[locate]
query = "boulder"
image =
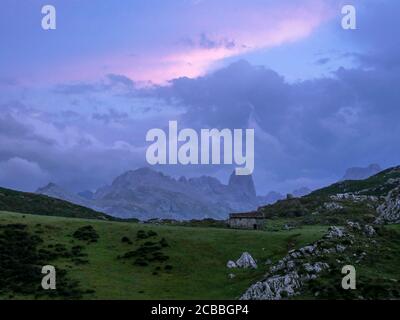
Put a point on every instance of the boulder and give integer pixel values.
(231, 264)
(369, 231)
(274, 288)
(389, 210)
(354, 225)
(317, 267)
(332, 206)
(340, 248)
(246, 261)
(335, 232)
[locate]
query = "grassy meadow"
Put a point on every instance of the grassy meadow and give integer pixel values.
(193, 264)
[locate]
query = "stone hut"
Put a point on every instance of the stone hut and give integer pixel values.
(249, 220)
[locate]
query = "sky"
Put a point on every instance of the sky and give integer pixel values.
(76, 102)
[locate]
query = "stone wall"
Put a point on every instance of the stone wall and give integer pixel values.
(246, 223)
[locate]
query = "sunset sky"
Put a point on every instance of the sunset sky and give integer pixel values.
(76, 102)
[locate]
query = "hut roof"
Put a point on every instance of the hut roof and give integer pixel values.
(247, 215)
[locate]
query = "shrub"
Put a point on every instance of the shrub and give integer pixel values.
(86, 233)
(126, 240)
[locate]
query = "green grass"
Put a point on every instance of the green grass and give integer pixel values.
(31, 203)
(377, 274)
(198, 257)
(376, 185)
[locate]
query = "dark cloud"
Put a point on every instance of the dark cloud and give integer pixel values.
(22, 174)
(111, 83)
(307, 132)
(323, 61)
(111, 116)
(117, 79)
(75, 88)
(205, 41)
(316, 126)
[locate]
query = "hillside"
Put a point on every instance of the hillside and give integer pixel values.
(335, 204)
(299, 254)
(190, 264)
(377, 185)
(363, 218)
(30, 203)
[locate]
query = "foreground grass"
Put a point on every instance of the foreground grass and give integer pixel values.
(198, 257)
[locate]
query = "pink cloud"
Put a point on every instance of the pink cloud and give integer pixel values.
(251, 28)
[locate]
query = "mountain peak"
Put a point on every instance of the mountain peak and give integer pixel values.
(49, 186)
(242, 184)
(360, 173)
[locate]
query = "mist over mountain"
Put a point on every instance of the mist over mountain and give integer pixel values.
(361, 173)
(145, 194)
(55, 191)
(301, 192)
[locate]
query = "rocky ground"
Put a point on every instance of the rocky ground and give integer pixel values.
(300, 272)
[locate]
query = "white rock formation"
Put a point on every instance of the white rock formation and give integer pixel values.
(389, 210)
(246, 261)
(335, 232)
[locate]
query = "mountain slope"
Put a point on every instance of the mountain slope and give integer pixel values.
(30, 203)
(196, 257)
(352, 199)
(359, 173)
(145, 194)
(379, 185)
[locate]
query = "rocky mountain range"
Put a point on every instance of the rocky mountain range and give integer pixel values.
(360, 173)
(145, 194)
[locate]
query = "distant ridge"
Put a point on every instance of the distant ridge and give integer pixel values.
(147, 194)
(361, 173)
(31, 203)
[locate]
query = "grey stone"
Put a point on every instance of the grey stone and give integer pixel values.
(274, 288)
(335, 232)
(369, 231)
(246, 261)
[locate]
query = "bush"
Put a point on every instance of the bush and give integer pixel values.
(141, 234)
(126, 240)
(86, 233)
(164, 243)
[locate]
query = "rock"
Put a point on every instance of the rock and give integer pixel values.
(274, 288)
(278, 267)
(335, 232)
(231, 264)
(288, 275)
(393, 181)
(340, 248)
(369, 231)
(354, 225)
(290, 265)
(246, 261)
(231, 276)
(389, 210)
(332, 206)
(308, 250)
(295, 254)
(353, 197)
(316, 267)
(328, 251)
